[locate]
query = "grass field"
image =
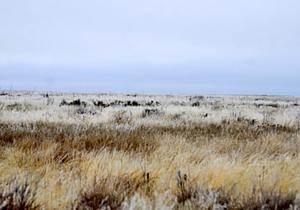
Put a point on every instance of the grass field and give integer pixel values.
(109, 151)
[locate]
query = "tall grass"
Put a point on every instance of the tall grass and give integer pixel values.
(200, 165)
(128, 163)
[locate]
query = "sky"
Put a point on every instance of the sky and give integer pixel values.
(157, 46)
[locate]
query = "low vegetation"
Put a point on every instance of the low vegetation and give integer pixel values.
(152, 154)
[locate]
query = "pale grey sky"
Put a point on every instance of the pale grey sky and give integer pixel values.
(157, 46)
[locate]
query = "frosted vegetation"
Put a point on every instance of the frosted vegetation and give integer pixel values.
(108, 151)
(32, 107)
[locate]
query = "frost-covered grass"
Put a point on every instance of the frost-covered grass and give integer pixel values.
(185, 152)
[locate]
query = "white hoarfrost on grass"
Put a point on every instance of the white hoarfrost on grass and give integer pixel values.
(32, 107)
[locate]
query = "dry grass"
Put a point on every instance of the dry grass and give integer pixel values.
(237, 163)
(20, 197)
(113, 165)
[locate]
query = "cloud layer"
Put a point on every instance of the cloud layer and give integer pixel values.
(194, 46)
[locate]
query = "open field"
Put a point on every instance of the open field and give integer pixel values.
(109, 151)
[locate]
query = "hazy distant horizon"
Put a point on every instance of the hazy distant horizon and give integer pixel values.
(159, 46)
(110, 81)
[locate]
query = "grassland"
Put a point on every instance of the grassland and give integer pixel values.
(107, 151)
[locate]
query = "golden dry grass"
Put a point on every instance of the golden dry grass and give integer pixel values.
(181, 153)
(235, 164)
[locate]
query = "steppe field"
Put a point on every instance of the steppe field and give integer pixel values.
(113, 151)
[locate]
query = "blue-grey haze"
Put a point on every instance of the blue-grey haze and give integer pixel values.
(157, 46)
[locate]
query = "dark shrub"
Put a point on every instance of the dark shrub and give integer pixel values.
(73, 103)
(116, 103)
(100, 104)
(3, 94)
(196, 104)
(152, 103)
(15, 107)
(108, 193)
(20, 197)
(197, 98)
(131, 103)
(150, 112)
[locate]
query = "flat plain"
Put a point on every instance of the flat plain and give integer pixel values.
(117, 151)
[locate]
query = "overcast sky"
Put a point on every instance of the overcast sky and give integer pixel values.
(151, 46)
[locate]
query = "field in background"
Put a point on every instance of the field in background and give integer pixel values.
(108, 151)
